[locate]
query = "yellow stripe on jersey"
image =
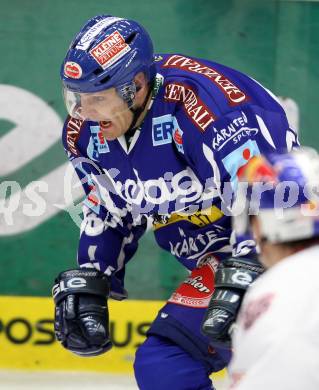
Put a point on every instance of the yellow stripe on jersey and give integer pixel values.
(200, 218)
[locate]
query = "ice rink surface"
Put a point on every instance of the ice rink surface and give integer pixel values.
(64, 381)
(18, 380)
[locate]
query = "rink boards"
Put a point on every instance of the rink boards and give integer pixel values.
(27, 338)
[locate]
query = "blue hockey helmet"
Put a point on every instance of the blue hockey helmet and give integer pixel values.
(282, 191)
(108, 52)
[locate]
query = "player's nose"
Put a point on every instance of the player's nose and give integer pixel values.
(89, 112)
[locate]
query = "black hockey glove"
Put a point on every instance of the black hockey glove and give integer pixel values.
(232, 279)
(81, 315)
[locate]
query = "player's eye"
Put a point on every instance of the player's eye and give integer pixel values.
(98, 98)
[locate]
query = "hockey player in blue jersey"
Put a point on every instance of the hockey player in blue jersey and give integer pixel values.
(160, 137)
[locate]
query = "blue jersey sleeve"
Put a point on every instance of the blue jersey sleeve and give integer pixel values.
(218, 144)
(109, 235)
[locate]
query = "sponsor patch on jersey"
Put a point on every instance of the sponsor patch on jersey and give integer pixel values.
(233, 94)
(93, 200)
(110, 50)
(92, 197)
(259, 169)
(197, 289)
(254, 309)
(73, 130)
(234, 131)
(194, 247)
(178, 136)
(72, 70)
(98, 144)
(208, 258)
(235, 161)
(162, 129)
(195, 108)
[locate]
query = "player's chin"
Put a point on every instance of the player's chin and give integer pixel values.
(109, 137)
(111, 133)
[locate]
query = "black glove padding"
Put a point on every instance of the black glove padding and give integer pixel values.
(232, 279)
(81, 315)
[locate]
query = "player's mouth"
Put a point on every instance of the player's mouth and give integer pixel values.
(105, 125)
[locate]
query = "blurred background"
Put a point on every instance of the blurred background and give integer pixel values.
(275, 42)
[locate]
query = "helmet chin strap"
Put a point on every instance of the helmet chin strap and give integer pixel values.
(137, 112)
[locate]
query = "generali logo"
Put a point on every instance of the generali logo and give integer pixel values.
(74, 127)
(110, 50)
(195, 108)
(233, 94)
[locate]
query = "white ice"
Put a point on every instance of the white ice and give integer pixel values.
(23, 380)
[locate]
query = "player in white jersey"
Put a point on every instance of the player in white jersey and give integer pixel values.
(276, 343)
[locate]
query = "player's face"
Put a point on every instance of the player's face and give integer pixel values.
(107, 107)
(266, 249)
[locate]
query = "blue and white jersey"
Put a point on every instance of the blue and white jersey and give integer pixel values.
(204, 122)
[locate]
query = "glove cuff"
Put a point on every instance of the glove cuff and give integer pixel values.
(237, 273)
(80, 281)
